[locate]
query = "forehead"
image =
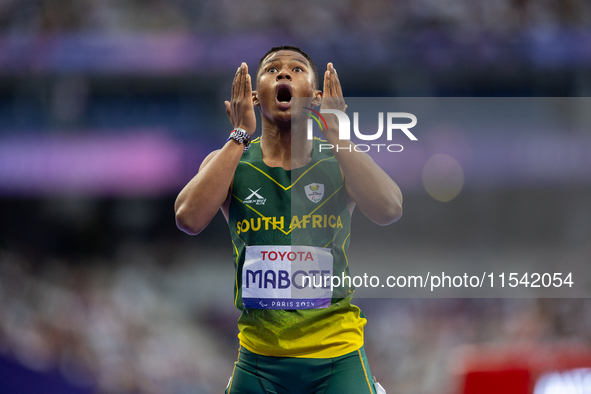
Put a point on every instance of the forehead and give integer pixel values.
(285, 56)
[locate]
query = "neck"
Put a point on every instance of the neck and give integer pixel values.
(284, 146)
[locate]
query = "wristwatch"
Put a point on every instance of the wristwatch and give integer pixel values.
(241, 136)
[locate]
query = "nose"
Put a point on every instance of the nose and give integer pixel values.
(284, 74)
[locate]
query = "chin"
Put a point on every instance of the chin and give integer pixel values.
(283, 117)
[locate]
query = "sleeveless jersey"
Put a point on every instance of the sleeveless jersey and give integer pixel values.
(284, 216)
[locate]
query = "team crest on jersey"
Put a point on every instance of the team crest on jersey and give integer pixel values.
(255, 198)
(315, 192)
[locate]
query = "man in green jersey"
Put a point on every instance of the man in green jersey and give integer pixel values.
(289, 205)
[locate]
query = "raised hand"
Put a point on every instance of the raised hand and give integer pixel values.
(332, 98)
(240, 108)
(332, 90)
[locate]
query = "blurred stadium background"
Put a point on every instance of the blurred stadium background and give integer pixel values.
(108, 107)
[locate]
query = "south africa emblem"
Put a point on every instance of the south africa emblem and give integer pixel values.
(314, 191)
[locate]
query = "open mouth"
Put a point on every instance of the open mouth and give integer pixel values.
(284, 94)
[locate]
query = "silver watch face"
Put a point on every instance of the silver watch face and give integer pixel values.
(241, 136)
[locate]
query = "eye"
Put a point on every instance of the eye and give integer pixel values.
(298, 69)
(271, 70)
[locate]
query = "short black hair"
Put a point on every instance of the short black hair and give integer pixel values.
(295, 49)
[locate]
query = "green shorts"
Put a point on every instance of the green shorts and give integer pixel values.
(254, 374)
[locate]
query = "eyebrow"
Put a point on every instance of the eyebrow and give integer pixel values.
(295, 58)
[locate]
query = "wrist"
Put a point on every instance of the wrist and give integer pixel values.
(241, 136)
(245, 129)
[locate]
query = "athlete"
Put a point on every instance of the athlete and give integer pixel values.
(288, 205)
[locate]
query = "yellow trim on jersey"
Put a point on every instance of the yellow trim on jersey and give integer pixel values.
(346, 258)
(364, 371)
(329, 197)
(236, 280)
(333, 238)
(284, 232)
(305, 172)
(344, 252)
(234, 370)
(238, 236)
(294, 182)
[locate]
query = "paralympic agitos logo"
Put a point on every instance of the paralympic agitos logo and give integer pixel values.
(345, 129)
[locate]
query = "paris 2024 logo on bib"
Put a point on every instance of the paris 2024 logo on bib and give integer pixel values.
(315, 192)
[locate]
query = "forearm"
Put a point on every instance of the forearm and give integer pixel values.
(201, 198)
(374, 192)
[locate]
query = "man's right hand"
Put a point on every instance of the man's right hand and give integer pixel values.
(240, 108)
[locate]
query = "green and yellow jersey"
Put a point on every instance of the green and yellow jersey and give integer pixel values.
(290, 233)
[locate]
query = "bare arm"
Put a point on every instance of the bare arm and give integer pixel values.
(376, 194)
(209, 190)
(201, 198)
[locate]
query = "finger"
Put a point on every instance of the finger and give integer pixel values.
(339, 89)
(248, 87)
(241, 83)
(329, 70)
(333, 80)
(235, 84)
(333, 86)
(326, 88)
(247, 84)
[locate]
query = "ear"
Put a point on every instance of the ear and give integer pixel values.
(255, 98)
(317, 100)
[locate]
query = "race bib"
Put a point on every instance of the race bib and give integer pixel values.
(286, 277)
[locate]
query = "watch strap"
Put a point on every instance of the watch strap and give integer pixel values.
(241, 136)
